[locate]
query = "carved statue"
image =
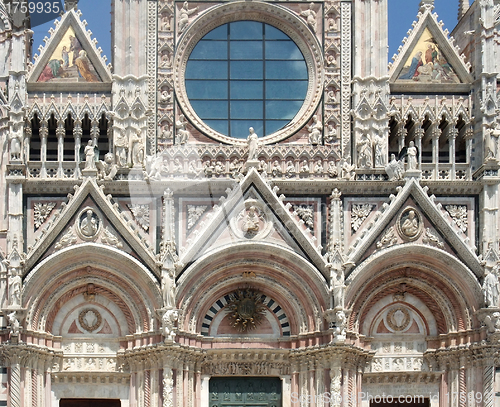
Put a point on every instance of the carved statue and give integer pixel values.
(165, 23)
(304, 167)
(89, 156)
(346, 170)
(315, 130)
(15, 289)
(395, 169)
(15, 146)
(107, 168)
(165, 97)
(340, 323)
(235, 168)
(412, 156)
(177, 165)
(494, 134)
(332, 169)
(276, 169)
(88, 225)
(493, 322)
(310, 16)
(121, 148)
(168, 288)
(263, 167)
(253, 143)
(318, 168)
(168, 323)
(165, 132)
(183, 133)
(184, 14)
(364, 152)
(251, 220)
(378, 146)
(410, 225)
(331, 136)
(137, 149)
(290, 169)
(491, 289)
(14, 323)
(219, 168)
(152, 167)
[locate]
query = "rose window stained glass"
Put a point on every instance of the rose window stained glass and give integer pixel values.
(246, 74)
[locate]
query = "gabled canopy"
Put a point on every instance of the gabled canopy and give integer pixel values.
(428, 62)
(70, 61)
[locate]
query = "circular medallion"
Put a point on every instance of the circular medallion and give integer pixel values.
(88, 224)
(90, 319)
(409, 224)
(252, 221)
(246, 309)
(398, 318)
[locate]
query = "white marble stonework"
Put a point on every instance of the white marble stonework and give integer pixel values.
(324, 252)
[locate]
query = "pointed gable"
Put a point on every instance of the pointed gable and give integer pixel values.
(253, 212)
(70, 60)
(428, 58)
(429, 224)
(90, 216)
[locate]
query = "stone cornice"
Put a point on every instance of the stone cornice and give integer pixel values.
(28, 355)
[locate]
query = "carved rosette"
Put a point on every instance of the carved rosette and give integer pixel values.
(41, 212)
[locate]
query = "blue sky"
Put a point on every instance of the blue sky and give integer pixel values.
(401, 15)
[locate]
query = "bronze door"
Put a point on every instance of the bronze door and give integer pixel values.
(245, 392)
(89, 403)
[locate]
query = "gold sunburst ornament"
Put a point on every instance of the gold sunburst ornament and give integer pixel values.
(246, 309)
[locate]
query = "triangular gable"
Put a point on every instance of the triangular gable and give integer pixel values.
(70, 60)
(253, 188)
(113, 224)
(429, 58)
(434, 213)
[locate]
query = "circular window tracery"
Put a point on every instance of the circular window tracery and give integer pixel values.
(246, 74)
(295, 98)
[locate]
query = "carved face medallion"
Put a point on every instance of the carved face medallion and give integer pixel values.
(410, 224)
(88, 224)
(252, 221)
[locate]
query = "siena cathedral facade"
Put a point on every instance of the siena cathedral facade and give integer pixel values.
(249, 207)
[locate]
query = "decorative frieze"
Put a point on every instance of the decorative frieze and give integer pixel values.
(248, 368)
